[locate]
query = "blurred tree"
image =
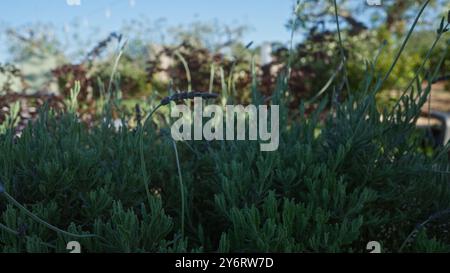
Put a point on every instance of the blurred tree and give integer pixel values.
(35, 50)
(364, 28)
(317, 16)
(211, 35)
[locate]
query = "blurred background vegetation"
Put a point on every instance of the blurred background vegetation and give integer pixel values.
(43, 63)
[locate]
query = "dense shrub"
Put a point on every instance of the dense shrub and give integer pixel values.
(341, 178)
(333, 186)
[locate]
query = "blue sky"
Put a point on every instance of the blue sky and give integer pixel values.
(266, 17)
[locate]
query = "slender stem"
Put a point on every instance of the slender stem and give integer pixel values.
(421, 226)
(181, 188)
(397, 57)
(422, 66)
(39, 220)
(9, 230)
(327, 85)
(341, 48)
(113, 73)
(231, 79)
(145, 177)
(372, 68)
(211, 78)
(151, 114)
(291, 50)
(143, 167)
(186, 68)
(430, 79)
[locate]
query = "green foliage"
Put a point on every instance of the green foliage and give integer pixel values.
(430, 245)
(360, 179)
(133, 77)
(11, 119)
(319, 55)
(346, 174)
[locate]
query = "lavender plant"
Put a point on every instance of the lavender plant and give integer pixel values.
(343, 176)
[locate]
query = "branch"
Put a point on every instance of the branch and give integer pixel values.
(356, 26)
